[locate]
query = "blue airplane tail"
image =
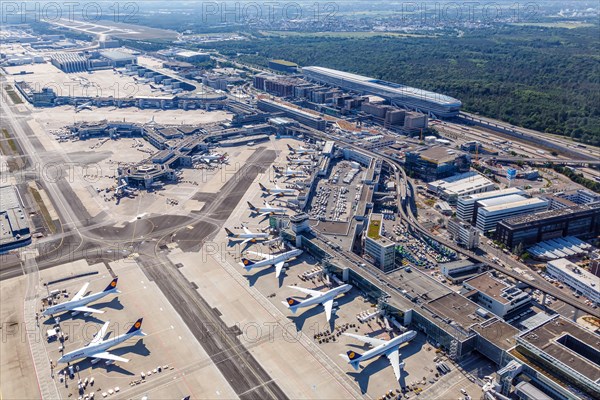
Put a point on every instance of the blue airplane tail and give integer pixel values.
(137, 326)
(112, 285)
(247, 263)
(292, 304)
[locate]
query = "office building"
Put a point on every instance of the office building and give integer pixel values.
(463, 234)
(496, 295)
(488, 217)
(403, 96)
(466, 206)
(582, 221)
(580, 280)
(436, 163)
(450, 189)
(379, 247)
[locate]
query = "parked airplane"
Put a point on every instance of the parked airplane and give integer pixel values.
(277, 191)
(316, 297)
(389, 348)
(301, 150)
(289, 173)
(267, 209)
(79, 301)
(96, 349)
(299, 161)
(209, 158)
(84, 106)
(248, 236)
(278, 260)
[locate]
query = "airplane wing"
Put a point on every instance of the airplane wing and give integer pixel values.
(87, 309)
(107, 356)
(328, 307)
(277, 187)
(372, 341)
(265, 214)
(394, 358)
(246, 241)
(309, 292)
(98, 337)
(278, 268)
(246, 230)
(81, 292)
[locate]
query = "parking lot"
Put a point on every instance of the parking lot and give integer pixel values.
(336, 198)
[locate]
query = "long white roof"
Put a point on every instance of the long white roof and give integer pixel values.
(380, 85)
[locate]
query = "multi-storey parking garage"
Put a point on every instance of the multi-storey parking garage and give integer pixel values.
(417, 99)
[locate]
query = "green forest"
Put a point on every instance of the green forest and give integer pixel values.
(546, 79)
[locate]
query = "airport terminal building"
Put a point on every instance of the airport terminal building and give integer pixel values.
(403, 96)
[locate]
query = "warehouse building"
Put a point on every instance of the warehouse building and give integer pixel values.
(466, 206)
(489, 217)
(14, 227)
(118, 59)
(192, 56)
(582, 221)
(69, 62)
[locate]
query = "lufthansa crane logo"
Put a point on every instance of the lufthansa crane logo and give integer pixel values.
(113, 284)
(352, 355)
(137, 324)
(290, 302)
(245, 262)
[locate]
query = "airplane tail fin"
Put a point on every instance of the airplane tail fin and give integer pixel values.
(262, 187)
(136, 327)
(112, 285)
(352, 356)
(251, 206)
(229, 233)
(292, 304)
(290, 148)
(247, 263)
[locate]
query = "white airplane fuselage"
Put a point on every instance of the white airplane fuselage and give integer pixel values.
(385, 347)
(270, 210)
(329, 295)
(250, 236)
(88, 351)
(281, 257)
(69, 305)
